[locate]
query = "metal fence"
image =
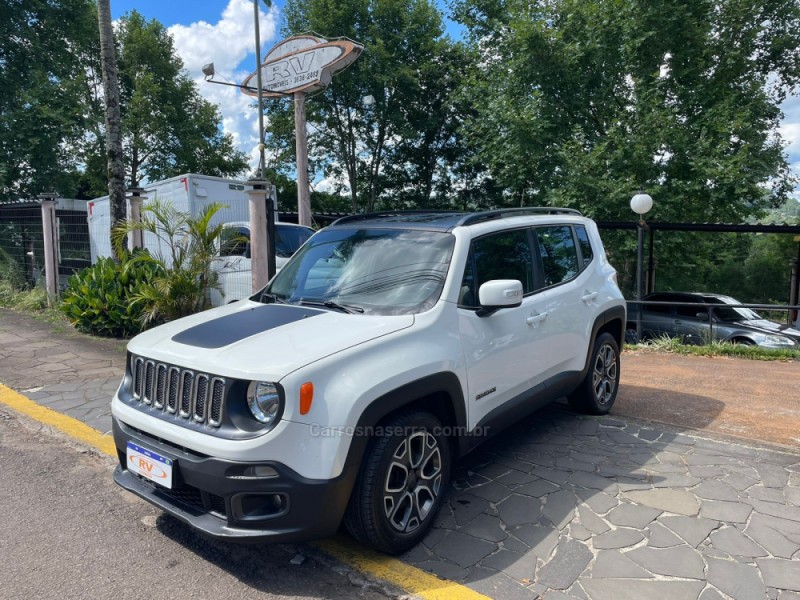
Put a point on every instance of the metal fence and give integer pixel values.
(21, 238)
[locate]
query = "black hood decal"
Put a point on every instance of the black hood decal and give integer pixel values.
(238, 326)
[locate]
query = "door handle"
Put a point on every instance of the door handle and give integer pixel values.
(534, 319)
(588, 298)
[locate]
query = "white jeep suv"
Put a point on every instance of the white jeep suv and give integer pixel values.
(388, 346)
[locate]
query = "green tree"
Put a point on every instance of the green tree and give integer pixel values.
(396, 150)
(168, 128)
(44, 91)
(582, 102)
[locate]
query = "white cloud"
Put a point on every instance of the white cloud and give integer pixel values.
(230, 45)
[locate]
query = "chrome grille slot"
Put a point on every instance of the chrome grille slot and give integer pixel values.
(161, 384)
(200, 396)
(186, 394)
(217, 395)
(147, 392)
(174, 382)
(183, 395)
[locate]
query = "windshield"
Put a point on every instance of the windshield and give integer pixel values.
(375, 271)
(289, 238)
(730, 310)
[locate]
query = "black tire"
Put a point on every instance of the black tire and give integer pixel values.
(394, 502)
(631, 337)
(596, 394)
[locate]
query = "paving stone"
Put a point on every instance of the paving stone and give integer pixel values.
(592, 481)
(792, 495)
(444, 518)
(772, 476)
(520, 566)
(734, 542)
(649, 434)
(591, 521)
(537, 488)
(462, 549)
(557, 477)
(681, 561)
(433, 537)
(541, 540)
(729, 512)
(618, 538)
(716, 490)
(782, 511)
(711, 594)
(519, 510)
(569, 561)
(599, 502)
(444, 569)
(613, 564)
(663, 468)
(674, 501)
(633, 589)
(633, 515)
(498, 585)
(739, 581)
(779, 573)
(661, 537)
(703, 471)
(675, 481)
(593, 459)
(466, 507)
(739, 482)
(515, 478)
(788, 596)
(492, 491)
(559, 508)
(579, 532)
(486, 528)
(586, 427)
(693, 530)
(771, 538)
(767, 494)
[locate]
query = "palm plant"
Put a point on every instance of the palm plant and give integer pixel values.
(182, 287)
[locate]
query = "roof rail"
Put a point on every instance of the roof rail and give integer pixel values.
(490, 215)
(392, 213)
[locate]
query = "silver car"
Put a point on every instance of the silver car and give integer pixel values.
(729, 321)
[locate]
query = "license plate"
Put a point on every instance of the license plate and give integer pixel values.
(150, 465)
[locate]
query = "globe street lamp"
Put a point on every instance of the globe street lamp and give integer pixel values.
(641, 204)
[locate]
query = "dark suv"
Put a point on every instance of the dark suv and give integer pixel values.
(730, 321)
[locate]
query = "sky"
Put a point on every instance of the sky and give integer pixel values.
(221, 31)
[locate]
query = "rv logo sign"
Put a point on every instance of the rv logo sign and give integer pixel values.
(302, 63)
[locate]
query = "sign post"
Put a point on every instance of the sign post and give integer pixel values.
(294, 67)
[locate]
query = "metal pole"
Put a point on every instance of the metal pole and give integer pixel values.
(301, 146)
(639, 261)
(269, 247)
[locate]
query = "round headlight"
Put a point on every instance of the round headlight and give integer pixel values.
(264, 402)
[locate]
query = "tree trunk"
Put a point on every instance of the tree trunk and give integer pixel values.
(116, 168)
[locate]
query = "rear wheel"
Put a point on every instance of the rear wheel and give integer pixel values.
(401, 484)
(597, 392)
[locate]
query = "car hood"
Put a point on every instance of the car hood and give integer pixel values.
(250, 340)
(770, 327)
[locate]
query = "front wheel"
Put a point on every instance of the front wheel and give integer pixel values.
(401, 483)
(597, 392)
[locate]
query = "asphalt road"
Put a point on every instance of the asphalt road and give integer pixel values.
(69, 532)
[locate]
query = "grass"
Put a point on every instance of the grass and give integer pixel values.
(34, 303)
(674, 346)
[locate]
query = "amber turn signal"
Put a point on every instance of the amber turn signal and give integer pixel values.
(306, 397)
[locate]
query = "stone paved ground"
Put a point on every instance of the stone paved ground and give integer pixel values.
(573, 507)
(59, 368)
(560, 506)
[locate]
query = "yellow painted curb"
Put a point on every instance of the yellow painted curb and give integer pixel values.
(72, 427)
(411, 579)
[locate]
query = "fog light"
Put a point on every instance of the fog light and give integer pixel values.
(262, 471)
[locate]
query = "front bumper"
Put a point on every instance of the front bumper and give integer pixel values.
(215, 497)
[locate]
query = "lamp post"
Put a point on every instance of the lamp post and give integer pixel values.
(641, 204)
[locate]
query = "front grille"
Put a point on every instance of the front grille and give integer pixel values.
(196, 499)
(194, 397)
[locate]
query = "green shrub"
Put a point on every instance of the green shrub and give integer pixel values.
(101, 299)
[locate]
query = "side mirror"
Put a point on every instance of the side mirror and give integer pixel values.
(703, 316)
(499, 293)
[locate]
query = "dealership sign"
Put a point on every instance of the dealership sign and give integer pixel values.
(302, 63)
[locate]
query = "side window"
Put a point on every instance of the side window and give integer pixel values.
(663, 309)
(504, 255)
(559, 254)
(583, 243)
(234, 241)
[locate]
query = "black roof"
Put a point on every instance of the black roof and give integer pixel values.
(443, 219)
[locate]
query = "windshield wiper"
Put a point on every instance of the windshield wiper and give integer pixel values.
(267, 298)
(346, 308)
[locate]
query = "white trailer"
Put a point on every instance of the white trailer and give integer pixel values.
(189, 193)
